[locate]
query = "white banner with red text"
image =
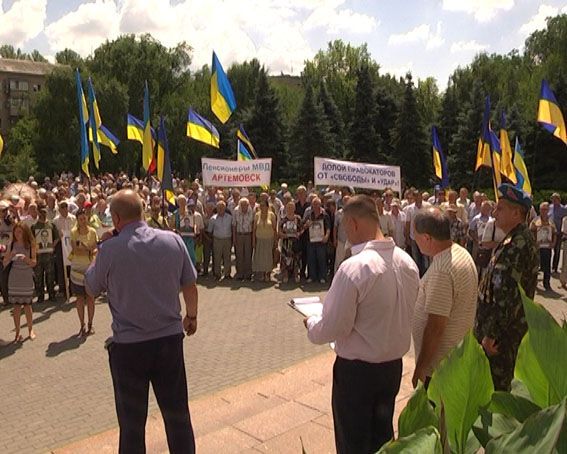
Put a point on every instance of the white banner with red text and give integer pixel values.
(332, 172)
(221, 172)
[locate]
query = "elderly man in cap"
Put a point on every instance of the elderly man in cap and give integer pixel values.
(556, 213)
(500, 322)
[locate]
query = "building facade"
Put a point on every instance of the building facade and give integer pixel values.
(20, 83)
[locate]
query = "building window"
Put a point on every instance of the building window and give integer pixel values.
(13, 85)
(36, 87)
(23, 85)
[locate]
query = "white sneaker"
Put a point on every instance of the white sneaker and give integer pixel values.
(322, 281)
(309, 281)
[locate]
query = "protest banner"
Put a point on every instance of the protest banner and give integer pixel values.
(221, 172)
(357, 174)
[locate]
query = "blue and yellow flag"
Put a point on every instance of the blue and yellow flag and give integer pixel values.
(507, 163)
(439, 161)
(135, 130)
(243, 137)
(523, 180)
(83, 120)
(164, 164)
(94, 122)
(549, 114)
(242, 152)
(223, 102)
(201, 129)
(483, 154)
(147, 143)
(98, 133)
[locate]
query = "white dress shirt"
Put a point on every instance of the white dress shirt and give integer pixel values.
(369, 307)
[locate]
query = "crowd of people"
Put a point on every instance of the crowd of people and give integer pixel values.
(49, 232)
(431, 267)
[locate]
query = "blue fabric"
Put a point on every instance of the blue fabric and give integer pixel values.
(142, 270)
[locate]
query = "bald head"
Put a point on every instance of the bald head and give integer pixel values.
(127, 205)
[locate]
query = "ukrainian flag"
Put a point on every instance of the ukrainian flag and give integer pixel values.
(201, 129)
(243, 153)
(523, 180)
(483, 154)
(439, 161)
(83, 119)
(243, 137)
(94, 122)
(147, 142)
(164, 164)
(549, 114)
(507, 164)
(105, 137)
(223, 102)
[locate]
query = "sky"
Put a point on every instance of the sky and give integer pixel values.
(427, 37)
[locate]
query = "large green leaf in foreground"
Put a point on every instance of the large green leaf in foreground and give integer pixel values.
(549, 343)
(424, 441)
(538, 434)
(417, 414)
(464, 384)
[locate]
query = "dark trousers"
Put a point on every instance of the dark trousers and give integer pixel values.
(44, 276)
(545, 265)
(363, 401)
(207, 255)
(133, 367)
(317, 261)
(420, 260)
(4, 282)
(556, 253)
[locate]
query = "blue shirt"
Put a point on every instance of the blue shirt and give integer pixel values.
(142, 270)
(557, 213)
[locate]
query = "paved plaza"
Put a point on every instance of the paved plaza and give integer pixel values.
(245, 367)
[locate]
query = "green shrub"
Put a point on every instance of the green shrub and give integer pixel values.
(467, 414)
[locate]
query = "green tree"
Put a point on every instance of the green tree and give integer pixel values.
(311, 136)
(36, 56)
(69, 57)
(409, 139)
(18, 160)
(428, 101)
(364, 140)
(334, 119)
(338, 65)
(462, 157)
(385, 120)
(266, 129)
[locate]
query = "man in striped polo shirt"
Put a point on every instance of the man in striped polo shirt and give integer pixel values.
(446, 303)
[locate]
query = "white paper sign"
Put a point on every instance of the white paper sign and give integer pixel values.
(221, 172)
(357, 174)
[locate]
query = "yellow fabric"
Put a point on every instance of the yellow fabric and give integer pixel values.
(265, 227)
(81, 260)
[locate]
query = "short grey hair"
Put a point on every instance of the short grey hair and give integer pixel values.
(434, 223)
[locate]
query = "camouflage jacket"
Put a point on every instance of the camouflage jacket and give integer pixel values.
(500, 314)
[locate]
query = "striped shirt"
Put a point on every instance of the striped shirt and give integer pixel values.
(448, 288)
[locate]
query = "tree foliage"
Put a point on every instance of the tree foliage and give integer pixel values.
(354, 110)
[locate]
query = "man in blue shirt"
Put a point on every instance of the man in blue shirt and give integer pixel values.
(142, 270)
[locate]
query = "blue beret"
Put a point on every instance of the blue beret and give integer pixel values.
(515, 195)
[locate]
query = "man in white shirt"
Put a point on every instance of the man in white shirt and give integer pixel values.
(446, 304)
(399, 220)
(64, 222)
(411, 211)
(367, 313)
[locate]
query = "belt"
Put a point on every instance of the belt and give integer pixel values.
(244, 233)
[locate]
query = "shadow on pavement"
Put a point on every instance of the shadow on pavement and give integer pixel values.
(551, 294)
(71, 343)
(8, 348)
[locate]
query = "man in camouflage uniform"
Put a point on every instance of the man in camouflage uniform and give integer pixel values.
(500, 321)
